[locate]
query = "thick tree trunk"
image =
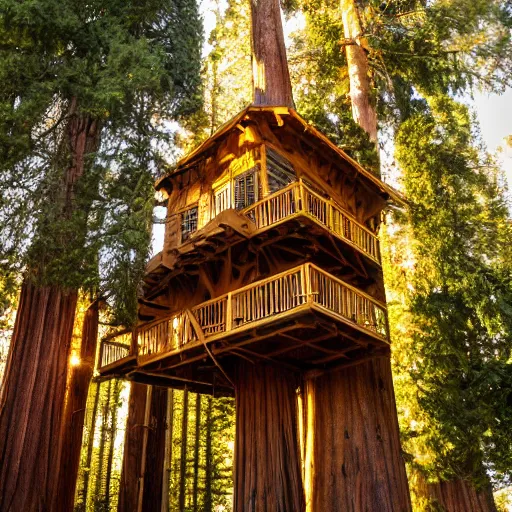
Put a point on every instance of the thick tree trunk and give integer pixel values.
(33, 398)
(130, 487)
(353, 458)
(461, 496)
(271, 78)
(363, 109)
(34, 388)
(74, 414)
(100, 491)
(267, 456)
(168, 450)
(155, 452)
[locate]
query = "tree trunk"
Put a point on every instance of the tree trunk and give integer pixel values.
(208, 499)
(33, 398)
(461, 496)
(34, 387)
(196, 452)
(74, 412)
(353, 458)
(155, 452)
(267, 457)
(183, 460)
(130, 487)
(363, 109)
(90, 445)
(99, 494)
(271, 78)
(168, 450)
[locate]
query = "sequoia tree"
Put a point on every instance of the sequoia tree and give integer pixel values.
(72, 76)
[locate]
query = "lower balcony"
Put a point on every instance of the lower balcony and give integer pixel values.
(304, 318)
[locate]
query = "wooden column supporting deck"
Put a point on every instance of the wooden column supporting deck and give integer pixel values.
(352, 457)
(267, 457)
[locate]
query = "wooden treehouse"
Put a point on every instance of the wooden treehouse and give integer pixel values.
(271, 254)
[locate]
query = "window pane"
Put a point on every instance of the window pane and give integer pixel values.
(245, 189)
(188, 223)
(280, 172)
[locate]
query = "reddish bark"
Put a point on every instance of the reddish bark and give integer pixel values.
(271, 78)
(460, 496)
(363, 109)
(144, 451)
(155, 452)
(353, 457)
(33, 398)
(130, 487)
(74, 413)
(34, 388)
(267, 456)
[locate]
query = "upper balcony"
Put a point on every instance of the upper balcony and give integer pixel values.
(304, 318)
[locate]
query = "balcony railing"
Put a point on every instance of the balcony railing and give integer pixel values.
(299, 198)
(112, 351)
(261, 303)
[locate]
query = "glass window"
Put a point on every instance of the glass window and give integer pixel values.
(280, 172)
(188, 223)
(245, 189)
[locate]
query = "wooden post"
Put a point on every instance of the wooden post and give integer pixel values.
(353, 457)
(267, 454)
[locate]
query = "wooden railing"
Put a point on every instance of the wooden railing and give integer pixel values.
(112, 351)
(255, 304)
(300, 198)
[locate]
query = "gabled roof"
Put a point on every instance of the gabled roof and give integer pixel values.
(209, 143)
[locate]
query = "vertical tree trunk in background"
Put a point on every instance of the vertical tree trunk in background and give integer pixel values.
(353, 457)
(98, 492)
(208, 500)
(34, 387)
(155, 452)
(363, 109)
(454, 495)
(90, 445)
(267, 455)
(183, 459)
(169, 421)
(74, 412)
(196, 452)
(271, 77)
(133, 464)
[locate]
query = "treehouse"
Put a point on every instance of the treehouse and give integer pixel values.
(270, 253)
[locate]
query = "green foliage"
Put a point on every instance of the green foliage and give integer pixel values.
(456, 285)
(126, 68)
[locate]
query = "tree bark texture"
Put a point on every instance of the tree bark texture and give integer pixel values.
(271, 77)
(353, 459)
(155, 452)
(363, 109)
(460, 496)
(34, 387)
(32, 398)
(267, 455)
(133, 463)
(74, 412)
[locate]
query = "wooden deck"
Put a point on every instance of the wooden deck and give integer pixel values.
(304, 307)
(298, 199)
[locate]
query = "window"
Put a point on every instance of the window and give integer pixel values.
(280, 172)
(245, 189)
(188, 223)
(222, 198)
